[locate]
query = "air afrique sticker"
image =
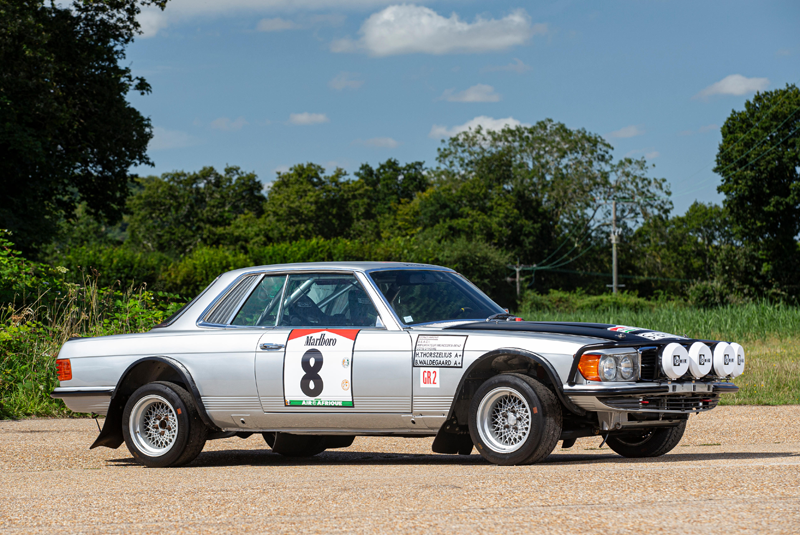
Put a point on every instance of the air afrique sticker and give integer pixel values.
(439, 351)
(317, 370)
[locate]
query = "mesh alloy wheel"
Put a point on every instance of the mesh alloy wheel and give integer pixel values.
(504, 420)
(161, 425)
(153, 425)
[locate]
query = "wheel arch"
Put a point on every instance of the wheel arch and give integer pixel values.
(496, 362)
(139, 373)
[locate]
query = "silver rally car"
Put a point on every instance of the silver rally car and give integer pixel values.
(312, 355)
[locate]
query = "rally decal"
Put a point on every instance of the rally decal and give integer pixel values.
(644, 333)
(439, 351)
(318, 368)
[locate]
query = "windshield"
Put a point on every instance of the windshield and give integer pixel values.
(426, 296)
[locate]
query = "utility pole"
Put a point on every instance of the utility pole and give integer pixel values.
(517, 279)
(614, 246)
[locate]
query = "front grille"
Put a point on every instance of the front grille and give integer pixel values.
(650, 368)
(673, 403)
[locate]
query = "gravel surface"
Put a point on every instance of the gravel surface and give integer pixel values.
(737, 470)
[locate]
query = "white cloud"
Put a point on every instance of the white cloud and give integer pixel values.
(735, 84)
(345, 80)
(306, 118)
(476, 93)
(487, 123)
(154, 20)
(518, 66)
(628, 131)
(226, 125)
(410, 29)
(648, 153)
(708, 128)
(164, 139)
(378, 142)
(276, 25)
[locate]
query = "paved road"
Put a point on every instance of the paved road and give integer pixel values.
(737, 470)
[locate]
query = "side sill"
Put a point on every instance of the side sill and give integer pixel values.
(61, 394)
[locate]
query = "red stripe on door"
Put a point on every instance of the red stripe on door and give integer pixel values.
(346, 333)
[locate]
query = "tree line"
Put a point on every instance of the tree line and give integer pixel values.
(537, 196)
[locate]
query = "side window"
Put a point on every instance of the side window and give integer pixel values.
(261, 308)
(328, 300)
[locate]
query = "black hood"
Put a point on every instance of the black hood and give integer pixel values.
(606, 331)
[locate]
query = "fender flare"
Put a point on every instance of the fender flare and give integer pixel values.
(111, 435)
(551, 372)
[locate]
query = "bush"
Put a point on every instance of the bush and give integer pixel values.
(115, 265)
(31, 335)
(559, 301)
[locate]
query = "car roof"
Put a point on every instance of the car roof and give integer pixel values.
(337, 266)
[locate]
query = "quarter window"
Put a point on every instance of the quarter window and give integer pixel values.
(261, 308)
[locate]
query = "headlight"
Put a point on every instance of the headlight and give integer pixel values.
(610, 365)
(738, 351)
(699, 360)
(608, 368)
(674, 360)
(724, 359)
(626, 369)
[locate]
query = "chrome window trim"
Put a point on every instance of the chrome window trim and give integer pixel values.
(366, 283)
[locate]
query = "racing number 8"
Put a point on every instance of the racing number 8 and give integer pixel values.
(312, 373)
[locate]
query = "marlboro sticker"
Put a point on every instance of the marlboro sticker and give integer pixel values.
(318, 368)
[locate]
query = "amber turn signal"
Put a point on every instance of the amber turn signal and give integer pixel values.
(64, 369)
(588, 366)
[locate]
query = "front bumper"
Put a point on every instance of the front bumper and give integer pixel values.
(672, 398)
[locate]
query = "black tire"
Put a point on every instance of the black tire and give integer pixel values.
(161, 405)
(290, 445)
(535, 406)
(652, 443)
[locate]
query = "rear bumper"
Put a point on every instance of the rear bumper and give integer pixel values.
(85, 400)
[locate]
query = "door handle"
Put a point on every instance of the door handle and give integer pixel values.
(272, 347)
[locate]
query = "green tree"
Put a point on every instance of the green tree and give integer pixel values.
(177, 211)
(306, 203)
(759, 162)
(67, 132)
(534, 190)
(689, 247)
(379, 192)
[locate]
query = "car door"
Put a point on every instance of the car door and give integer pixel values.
(329, 363)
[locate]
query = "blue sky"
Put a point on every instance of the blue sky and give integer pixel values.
(266, 84)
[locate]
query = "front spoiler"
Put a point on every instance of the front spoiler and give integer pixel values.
(650, 389)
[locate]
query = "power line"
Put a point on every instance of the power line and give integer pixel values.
(641, 277)
(766, 114)
(760, 156)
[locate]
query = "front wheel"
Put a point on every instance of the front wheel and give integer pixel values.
(162, 427)
(652, 443)
(514, 419)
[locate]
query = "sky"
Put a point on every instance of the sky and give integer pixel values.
(267, 84)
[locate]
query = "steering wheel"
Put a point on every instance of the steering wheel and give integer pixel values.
(460, 311)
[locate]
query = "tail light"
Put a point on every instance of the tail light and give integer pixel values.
(64, 369)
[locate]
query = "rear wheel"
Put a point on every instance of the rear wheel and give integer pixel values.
(514, 419)
(290, 445)
(162, 427)
(652, 443)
